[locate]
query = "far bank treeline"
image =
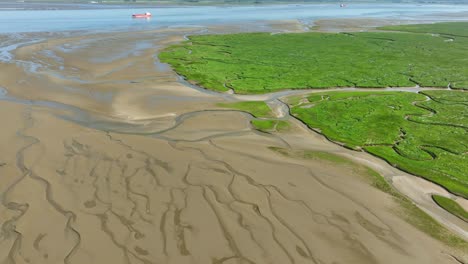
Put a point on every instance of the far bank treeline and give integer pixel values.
(425, 134)
(261, 62)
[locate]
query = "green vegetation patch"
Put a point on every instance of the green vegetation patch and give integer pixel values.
(451, 206)
(270, 125)
(258, 109)
(408, 210)
(263, 62)
(424, 134)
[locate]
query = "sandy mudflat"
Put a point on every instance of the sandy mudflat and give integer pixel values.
(109, 158)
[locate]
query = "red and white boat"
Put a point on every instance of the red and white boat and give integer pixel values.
(144, 15)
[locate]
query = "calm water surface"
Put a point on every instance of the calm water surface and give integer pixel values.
(120, 19)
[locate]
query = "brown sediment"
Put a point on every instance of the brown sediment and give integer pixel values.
(110, 159)
(357, 24)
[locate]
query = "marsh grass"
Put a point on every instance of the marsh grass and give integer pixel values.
(258, 109)
(270, 125)
(260, 62)
(451, 206)
(425, 137)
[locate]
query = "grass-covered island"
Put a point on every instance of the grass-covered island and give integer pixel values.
(422, 133)
(263, 116)
(432, 55)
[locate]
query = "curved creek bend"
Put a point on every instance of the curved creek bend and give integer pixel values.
(111, 158)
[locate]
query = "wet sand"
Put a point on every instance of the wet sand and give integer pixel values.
(108, 157)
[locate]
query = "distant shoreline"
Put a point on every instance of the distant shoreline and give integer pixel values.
(88, 5)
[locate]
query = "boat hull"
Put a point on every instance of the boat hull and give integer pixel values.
(141, 16)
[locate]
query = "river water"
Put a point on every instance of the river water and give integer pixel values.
(102, 19)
